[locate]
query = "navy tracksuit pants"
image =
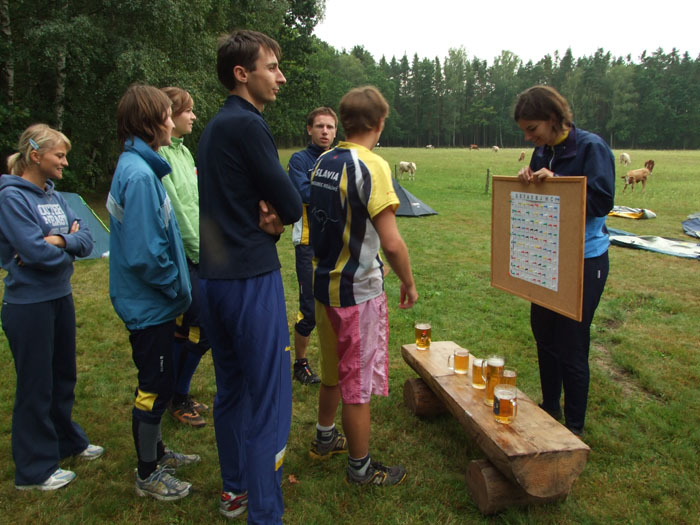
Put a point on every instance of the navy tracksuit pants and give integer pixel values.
(42, 341)
(246, 320)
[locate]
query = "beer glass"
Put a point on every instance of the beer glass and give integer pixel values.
(423, 335)
(491, 371)
(477, 378)
(460, 360)
(505, 403)
(509, 377)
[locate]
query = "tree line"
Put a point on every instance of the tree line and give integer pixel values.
(67, 63)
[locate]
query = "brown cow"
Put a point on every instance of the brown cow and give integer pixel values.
(473, 146)
(638, 175)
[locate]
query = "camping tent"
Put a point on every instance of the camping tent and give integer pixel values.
(100, 233)
(409, 204)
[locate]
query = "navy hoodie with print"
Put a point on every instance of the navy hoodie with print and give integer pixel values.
(36, 270)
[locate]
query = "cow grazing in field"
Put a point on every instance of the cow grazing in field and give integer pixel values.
(495, 149)
(625, 159)
(473, 146)
(522, 156)
(638, 175)
(430, 146)
(407, 167)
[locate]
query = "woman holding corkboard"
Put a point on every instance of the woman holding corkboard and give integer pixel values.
(562, 149)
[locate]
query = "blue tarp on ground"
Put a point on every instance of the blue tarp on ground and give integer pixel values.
(653, 243)
(100, 233)
(691, 226)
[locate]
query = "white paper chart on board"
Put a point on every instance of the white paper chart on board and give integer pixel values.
(534, 238)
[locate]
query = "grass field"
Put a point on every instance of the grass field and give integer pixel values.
(643, 423)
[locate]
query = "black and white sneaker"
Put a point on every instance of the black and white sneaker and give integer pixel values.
(304, 374)
(377, 474)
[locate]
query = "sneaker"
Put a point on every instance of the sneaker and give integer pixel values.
(186, 414)
(232, 504)
(174, 460)
(377, 474)
(304, 374)
(60, 478)
(322, 450)
(91, 452)
(198, 405)
(162, 485)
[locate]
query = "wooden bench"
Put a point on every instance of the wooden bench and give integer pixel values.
(534, 460)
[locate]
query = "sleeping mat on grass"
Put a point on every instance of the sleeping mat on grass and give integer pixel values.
(653, 243)
(632, 213)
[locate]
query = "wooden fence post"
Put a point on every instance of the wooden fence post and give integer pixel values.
(488, 176)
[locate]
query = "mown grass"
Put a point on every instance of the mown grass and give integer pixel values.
(643, 423)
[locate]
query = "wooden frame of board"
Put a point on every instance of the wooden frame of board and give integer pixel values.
(570, 196)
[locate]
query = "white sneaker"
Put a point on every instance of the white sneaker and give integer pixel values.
(92, 452)
(58, 479)
(162, 485)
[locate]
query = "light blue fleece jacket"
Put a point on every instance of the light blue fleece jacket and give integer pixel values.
(149, 282)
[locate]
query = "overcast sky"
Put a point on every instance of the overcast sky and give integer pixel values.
(529, 29)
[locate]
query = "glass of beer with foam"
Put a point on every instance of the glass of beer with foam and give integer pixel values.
(460, 361)
(510, 376)
(505, 403)
(423, 335)
(477, 378)
(491, 371)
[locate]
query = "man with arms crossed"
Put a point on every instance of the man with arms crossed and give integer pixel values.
(352, 215)
(321, 125)
(245, 196)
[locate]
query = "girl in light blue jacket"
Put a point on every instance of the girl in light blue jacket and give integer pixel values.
(148, 279)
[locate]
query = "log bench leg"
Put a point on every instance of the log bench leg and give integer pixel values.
(421, 400)
(493, 492)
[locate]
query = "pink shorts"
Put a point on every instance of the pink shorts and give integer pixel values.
(355, 348)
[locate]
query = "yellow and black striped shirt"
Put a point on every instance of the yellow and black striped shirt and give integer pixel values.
(350, 185)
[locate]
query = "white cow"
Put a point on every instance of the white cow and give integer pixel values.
(407, 167)
(625, 159)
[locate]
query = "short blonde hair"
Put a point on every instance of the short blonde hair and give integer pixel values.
(37, 137)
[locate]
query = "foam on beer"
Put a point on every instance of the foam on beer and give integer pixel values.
(504, 393)
(496, 361)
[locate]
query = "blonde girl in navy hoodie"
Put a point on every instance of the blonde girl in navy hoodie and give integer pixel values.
(40, 236)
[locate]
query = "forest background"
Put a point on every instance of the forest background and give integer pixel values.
(67, 63)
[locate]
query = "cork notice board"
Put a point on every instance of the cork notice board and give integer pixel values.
(537, 238)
